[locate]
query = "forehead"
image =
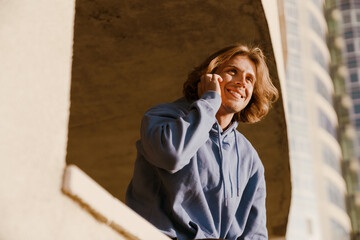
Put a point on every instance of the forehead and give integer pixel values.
(242, 62)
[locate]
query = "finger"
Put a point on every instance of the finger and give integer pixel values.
(218, 77)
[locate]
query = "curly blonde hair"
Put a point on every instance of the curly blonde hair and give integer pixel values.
(264, 93)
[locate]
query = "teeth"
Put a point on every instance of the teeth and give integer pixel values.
(236, 94)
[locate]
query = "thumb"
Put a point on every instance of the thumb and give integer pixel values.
(218, 77)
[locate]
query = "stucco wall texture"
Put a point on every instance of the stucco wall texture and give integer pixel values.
(131, 54)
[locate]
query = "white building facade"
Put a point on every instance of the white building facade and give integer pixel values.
(318, 209)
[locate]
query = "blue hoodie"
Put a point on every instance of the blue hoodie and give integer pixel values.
(192, 180)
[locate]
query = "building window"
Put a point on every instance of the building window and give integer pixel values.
(345, 5)
(319, 57)
(324, 91)
(293, 44)
(353, 77)
(326, 124)
(349, 34)
(330, 158)
(291, 10)
(294, 59)
(335, 195)
(292, 27)
(352, 63)
(346, 18)
(355, 94)
(315, 25)
(318, 3)
(294, 74)
(338, 231)
(350, 47)
(357, 108)
(357, 123)
(356, 4)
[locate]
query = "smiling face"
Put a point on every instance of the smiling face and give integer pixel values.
(239, 77)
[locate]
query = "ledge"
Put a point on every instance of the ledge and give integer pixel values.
(106, 208)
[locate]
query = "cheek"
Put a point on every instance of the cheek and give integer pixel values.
(222, 85)
(251, 96)
(225, 80)
(250, 90)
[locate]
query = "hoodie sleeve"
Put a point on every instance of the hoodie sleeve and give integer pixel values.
(169, 138)
(255, 227)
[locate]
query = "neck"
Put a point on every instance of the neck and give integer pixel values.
(224, 120)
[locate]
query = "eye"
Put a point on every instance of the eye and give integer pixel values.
(249, 78)
(232, 71)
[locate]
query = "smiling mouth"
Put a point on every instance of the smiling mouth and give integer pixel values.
(235, 94)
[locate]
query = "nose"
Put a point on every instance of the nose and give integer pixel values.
(241, 80)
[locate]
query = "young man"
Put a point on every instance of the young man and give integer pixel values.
(195, 175)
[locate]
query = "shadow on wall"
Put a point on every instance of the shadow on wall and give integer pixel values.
(129, 55)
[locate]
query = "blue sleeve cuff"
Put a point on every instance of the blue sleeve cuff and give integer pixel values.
(213, 98)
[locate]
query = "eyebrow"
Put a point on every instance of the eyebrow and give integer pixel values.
(242, 70)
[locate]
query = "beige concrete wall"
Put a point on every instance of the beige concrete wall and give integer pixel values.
(35, 70)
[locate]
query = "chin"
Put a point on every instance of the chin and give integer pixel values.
(234, 106)
(234, 109)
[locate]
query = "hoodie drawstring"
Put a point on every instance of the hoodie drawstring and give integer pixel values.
(238, 164)
(222, 165)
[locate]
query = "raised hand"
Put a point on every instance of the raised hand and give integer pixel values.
(209, 82)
